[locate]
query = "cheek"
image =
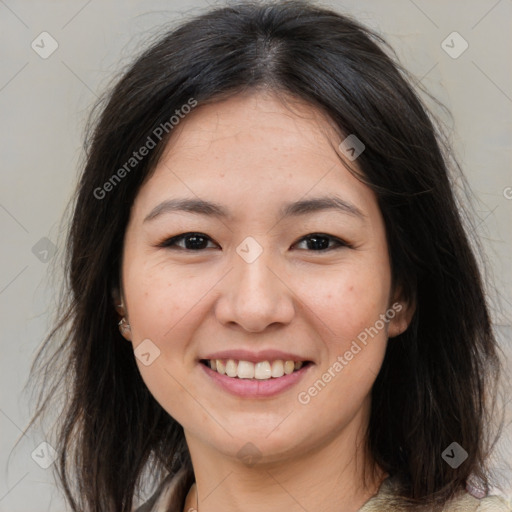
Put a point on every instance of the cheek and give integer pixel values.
(348, 301)
(354, 349)
(161, 311)
(158, 296)
(347, 306)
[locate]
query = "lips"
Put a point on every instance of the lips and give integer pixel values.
(251, 374)
(262, 365)
(252, 388)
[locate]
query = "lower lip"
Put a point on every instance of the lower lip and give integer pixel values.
(254, 388)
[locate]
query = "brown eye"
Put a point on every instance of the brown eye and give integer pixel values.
(192, 241)
(319, 242)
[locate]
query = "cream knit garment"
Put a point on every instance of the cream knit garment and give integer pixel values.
(167, 498)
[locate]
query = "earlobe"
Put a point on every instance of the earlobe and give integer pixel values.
(124, 326)
(404, 311)
(396, 328)
(125, 329)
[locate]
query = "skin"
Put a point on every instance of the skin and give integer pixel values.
(251, 153)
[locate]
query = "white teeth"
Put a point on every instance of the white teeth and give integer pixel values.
(289, 366)
(246, 370)
(277, 368)
(231, 368)
(262, 370)
(221, 367)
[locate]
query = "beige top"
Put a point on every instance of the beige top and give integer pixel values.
(170, 497)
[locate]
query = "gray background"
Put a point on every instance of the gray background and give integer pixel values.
(43, 105)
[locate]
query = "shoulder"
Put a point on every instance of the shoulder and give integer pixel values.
(387, 500)
(168, 496)
(468, 503)
(495, 503)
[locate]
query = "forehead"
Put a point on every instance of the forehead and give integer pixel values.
(253, 121)
(254, 148)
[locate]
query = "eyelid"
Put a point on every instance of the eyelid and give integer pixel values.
(166, 242)
(170, 242)
(341, 243)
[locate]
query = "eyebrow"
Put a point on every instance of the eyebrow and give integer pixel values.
(211, 209)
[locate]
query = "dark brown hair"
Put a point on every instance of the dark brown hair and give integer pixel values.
(436, 382)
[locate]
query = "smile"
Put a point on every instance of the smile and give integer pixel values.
(255, 380)
(262, 370)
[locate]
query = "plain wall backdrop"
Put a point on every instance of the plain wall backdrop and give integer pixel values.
(44, 102)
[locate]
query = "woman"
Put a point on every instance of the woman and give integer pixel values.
(274, 304)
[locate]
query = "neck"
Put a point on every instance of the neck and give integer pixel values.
(338, 476)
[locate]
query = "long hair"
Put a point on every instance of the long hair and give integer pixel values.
(435, 385)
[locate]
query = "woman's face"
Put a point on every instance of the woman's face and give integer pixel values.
(268, 277)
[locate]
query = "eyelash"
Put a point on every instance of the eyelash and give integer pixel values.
(170, 243)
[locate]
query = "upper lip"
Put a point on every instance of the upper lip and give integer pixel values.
(255, 357)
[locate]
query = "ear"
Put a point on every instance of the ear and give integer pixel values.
(120, 308)
(404, 311)
(118, 301)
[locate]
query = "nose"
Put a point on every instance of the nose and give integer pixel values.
(255, 295)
